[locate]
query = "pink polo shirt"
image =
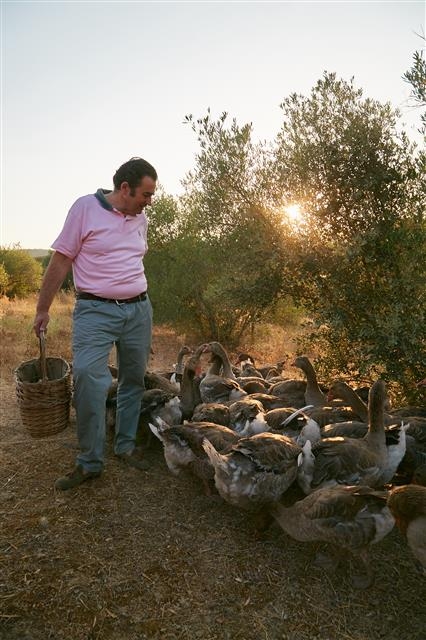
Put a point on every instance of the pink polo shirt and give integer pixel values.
(106, 248)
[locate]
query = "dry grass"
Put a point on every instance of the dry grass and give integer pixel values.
(137, 555)
(269, 343)
(18, 339)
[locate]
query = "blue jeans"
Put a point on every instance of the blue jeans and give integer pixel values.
(97, 327)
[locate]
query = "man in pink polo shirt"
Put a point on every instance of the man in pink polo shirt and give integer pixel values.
(103, 240)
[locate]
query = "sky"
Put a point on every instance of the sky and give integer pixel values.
(87, 85)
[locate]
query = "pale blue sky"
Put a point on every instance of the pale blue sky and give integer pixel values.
(87, 85)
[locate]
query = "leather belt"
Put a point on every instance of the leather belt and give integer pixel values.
(82, 295)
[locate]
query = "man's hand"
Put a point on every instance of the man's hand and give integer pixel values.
(41, 321)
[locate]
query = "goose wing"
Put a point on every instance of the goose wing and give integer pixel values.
(343, 461)
(193, 434)
(354, 515)
(271, 453)
(215, 388)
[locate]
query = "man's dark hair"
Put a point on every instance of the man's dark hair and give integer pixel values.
(132, 172)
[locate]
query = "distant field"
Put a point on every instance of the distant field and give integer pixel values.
(38, 253)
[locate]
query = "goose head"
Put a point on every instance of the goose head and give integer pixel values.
(219, 355)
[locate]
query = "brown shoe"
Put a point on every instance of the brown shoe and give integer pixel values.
(77, 476)
(133, 459)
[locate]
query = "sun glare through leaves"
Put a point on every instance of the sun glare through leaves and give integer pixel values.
(293, 215)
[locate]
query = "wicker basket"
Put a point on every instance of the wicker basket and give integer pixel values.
(43, 391)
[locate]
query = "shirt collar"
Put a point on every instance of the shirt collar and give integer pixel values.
(100, 196)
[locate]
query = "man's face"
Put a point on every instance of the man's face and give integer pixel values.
(138, 198)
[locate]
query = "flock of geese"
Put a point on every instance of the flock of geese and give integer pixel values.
(330, 464)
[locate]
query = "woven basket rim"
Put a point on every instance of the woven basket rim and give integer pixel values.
(19, 370)
(34, 360)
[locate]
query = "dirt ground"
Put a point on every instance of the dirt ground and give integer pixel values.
(135, 555)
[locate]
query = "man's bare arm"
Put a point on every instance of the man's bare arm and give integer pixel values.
(56, 272)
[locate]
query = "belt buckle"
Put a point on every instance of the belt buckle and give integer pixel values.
(118, 303)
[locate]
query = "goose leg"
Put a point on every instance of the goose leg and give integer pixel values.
(362, 578)
(262, 521)
(209, 487)
(328, 560)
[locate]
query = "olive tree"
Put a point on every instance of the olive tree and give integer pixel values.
(359, 264)
(416, 76)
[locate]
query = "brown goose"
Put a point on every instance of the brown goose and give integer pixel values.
(156, 381)
(412, 468)
(265, 370)
(408, 506)
(244, 357)
(341, 390)
(419, 475)
(190, 386)
(249, 370)
(247, 417)
(253, 385)
(159, 403)
(351, 461)
(211, 412)
(325, 416)
(256, 472)
(343, 405)
(415, 428)
(183, 446)
(174, 374)
(276, 417)
(293, 423)
(292, 392)
(269, 401)
(409, 412)
(350, 518)
(219, 383)
(313, 394)
(275, 373)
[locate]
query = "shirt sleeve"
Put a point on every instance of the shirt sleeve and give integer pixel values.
(70, 238)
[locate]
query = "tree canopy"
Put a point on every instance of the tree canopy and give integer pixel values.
(20, 273)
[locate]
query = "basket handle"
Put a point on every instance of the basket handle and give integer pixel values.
(43, 366)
